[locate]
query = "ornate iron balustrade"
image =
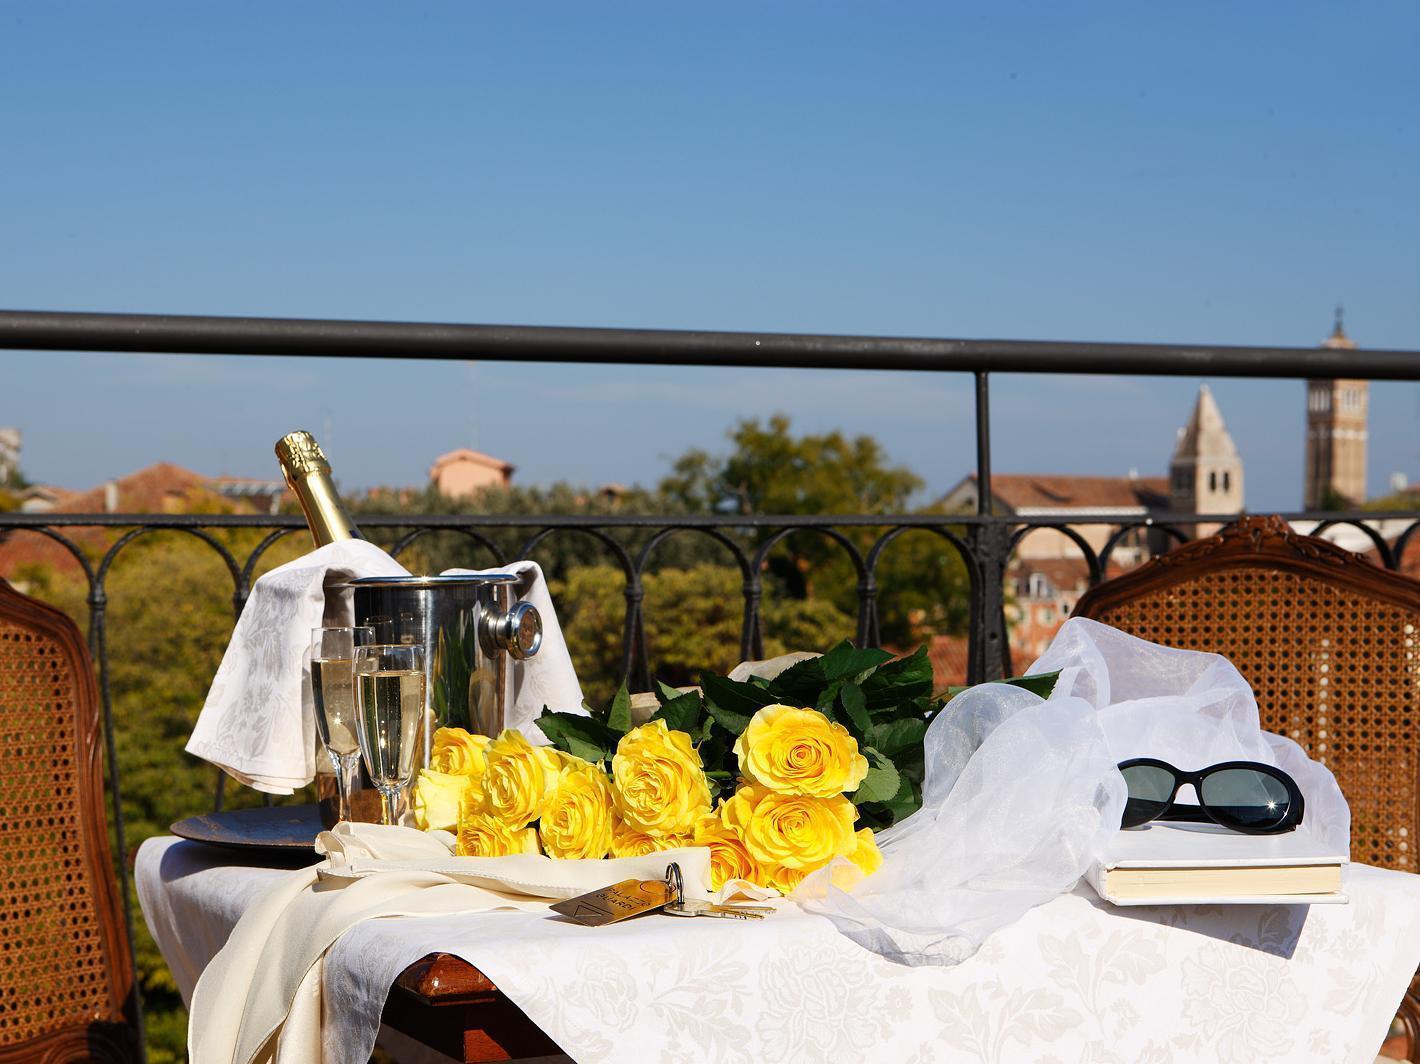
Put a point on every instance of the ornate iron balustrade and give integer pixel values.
(985, 542)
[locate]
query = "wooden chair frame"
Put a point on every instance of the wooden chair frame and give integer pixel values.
(112, 1036)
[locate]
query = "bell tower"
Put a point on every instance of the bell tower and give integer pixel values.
(1336, 436)
(1206, 473)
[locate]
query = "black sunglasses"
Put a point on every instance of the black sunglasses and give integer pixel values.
(1243, 796)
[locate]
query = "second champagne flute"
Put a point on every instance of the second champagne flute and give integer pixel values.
(333, 695)
(389, 702)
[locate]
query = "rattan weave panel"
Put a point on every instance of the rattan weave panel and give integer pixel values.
(1332, 667)
(53, 970)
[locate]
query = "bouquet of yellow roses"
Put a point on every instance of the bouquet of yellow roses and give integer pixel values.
(776, 776)
(787, 817)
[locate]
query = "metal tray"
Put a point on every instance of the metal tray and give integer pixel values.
(284, 829)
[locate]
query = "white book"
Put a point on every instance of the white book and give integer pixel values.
(1203, 864)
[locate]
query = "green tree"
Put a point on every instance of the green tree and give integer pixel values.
(922, 581)
(693, 619)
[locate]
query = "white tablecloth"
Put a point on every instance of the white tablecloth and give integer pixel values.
(1075, 980)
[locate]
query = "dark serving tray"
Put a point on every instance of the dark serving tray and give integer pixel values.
(288, 829)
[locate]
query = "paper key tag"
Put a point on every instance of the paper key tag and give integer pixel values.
(620, 901)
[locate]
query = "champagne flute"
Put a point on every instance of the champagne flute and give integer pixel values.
(389, 704)
(333, 694)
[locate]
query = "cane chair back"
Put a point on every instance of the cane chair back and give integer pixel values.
(1329, 642)
(66, 979)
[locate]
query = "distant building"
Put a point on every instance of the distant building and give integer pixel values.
(1048, 572)
(1205, 474)
(264, 495)
(463, 472)
(1036, 495)
(39, 498)
(10, 442)
(1044, 593)
(1336, 436)
(162, 488)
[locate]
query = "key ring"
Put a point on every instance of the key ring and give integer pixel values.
(675, 884)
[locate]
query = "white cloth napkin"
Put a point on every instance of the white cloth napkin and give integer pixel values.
(547, 678)
(260, 999)
(258, 723)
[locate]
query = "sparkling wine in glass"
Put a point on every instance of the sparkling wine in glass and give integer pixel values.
(389, 707)
(333, 695)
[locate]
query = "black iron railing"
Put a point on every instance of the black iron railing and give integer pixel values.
(984, 541)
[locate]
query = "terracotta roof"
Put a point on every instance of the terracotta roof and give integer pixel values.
(160, 488)
(1063, 492)
(948, 655)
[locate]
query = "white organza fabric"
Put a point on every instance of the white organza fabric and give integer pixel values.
(1022, 793)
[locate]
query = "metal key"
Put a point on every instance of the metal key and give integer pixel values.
(691, 907)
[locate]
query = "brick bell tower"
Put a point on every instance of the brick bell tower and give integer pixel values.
(1336, 436)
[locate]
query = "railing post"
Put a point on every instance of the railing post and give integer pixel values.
(990, 552)
(98, 649)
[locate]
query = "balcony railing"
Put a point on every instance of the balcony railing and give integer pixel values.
(984, 541)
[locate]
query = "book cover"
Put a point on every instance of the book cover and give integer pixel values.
(1197, 864)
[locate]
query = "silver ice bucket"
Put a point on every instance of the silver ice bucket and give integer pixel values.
(472, 631)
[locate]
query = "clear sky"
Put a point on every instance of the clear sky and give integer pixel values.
(1208, 172)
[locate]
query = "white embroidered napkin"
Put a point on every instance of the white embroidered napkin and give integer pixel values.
(258, 722)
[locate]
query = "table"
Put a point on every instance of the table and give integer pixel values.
(1072, 980)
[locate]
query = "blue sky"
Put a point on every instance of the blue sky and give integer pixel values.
(1200, 173)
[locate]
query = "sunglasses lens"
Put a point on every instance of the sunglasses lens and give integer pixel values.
(1150, 788)
(1243, 798)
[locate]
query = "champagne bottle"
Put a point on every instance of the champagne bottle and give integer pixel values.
(308, 476)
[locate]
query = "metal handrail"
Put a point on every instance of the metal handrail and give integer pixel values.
(42, 330)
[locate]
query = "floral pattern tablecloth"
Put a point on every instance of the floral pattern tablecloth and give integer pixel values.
(1074, 980)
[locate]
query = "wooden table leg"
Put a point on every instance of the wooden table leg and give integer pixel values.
(447, 1004)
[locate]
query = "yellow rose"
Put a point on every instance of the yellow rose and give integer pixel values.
(728, 857)
(626, 841)
(519, 779)
(861, 863)
(799, 751)
(866, 854)
(577, 819)
(438, 796)
(784, 880)
(459, 753)
(481, 835)
(791, 830)
(660, 782)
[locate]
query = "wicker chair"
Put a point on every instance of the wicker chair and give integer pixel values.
(66, 980)
(1331, 646)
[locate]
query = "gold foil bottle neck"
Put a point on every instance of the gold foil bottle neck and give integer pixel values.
(300, 455)
(308, 475)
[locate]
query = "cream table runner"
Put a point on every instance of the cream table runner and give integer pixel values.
(1073, 980)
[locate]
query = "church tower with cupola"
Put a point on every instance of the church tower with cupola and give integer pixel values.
(1206, 473)
(1336, 436)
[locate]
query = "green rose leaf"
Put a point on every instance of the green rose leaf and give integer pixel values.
(882, 781)
(851, 697)
(896, 736)
(665, 693)
(618, 718)
(733, 704)
(681, 713)
(1040, 684)
(580, 736)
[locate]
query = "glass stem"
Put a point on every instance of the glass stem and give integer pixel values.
(346, 766)
(387, 806)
